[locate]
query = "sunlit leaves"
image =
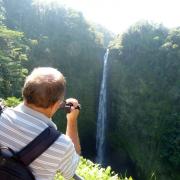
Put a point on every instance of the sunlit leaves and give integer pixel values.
(90, 171)
(12, 54)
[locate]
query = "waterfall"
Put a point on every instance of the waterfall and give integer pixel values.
(102, 114)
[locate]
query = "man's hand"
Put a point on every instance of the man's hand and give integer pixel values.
(74, 112)
(72, 129)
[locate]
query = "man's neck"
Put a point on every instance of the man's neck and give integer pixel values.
(45, 111)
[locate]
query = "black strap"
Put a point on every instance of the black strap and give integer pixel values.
(36, 147)
(1, 108)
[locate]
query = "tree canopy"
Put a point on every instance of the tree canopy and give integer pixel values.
(144, 94)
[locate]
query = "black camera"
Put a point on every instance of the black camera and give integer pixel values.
(67, 106)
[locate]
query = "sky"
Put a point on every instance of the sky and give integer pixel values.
(118, 15)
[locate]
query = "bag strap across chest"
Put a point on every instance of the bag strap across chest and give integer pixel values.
(36, 147)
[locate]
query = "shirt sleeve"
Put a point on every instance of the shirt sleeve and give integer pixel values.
(69, 162)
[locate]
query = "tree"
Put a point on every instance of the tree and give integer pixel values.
(144, 82)
(12, 54)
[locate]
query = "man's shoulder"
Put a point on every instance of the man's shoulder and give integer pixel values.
(8, 114)
(64, 140)
(63, 146)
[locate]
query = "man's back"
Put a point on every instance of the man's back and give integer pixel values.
(21, 125)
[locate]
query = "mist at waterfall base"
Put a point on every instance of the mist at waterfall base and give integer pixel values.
(105, 154)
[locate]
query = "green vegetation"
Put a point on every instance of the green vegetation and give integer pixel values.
(144, 99)
(90, 171)
(12, 55)
(12, 101)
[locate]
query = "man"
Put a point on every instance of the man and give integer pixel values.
(43, 92)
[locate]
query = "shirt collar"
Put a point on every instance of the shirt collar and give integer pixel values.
(22, 107)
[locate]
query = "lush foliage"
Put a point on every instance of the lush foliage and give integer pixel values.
(144, 94)
(90, 171)
(12, 54)
(12, 101)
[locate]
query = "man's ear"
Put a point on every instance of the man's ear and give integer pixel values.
(55, 107)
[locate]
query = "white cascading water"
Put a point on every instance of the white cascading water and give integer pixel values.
(102, 114)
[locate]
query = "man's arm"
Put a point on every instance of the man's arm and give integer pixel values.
(72, 128)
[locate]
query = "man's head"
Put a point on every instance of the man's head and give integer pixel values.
(44, 87)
